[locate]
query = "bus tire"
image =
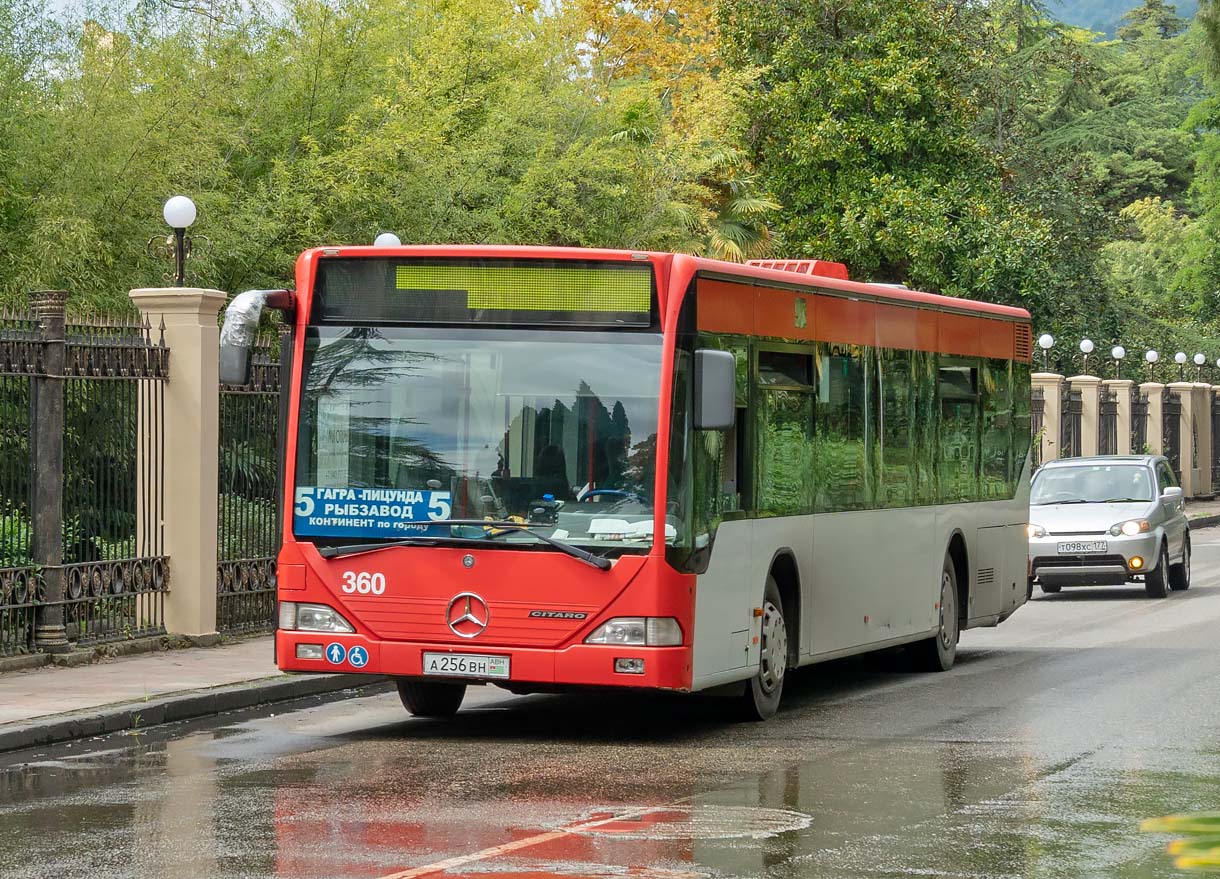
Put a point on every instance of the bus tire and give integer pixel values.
(764, 691)
(1179, 575)
(1156, 581)
(430, 698)
(939, 652)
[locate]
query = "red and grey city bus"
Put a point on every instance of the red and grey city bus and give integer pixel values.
(553, 468)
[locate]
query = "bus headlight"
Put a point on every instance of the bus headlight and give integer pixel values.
(1131, 527)
(638, 631)
(312, 618)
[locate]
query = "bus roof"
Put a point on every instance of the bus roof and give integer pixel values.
(703, 265)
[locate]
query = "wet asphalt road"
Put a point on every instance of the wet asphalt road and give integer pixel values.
(1036, 757)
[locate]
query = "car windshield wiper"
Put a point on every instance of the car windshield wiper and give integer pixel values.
(1126, 500)
(597, 561)
(1048, 503)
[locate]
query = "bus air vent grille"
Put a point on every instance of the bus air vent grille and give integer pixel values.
(822, 267)
(986, 575)
(1023, 343)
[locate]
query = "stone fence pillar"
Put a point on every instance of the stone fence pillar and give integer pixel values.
(1186, 435)
(1051, 385)
(1122, 390)
(192, 404)
(1202, 397)
(1090, 412)
(1155, 392)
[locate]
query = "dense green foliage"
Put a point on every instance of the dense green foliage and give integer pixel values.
(980, 149)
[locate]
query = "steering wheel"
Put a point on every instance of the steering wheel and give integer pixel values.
(611, 492)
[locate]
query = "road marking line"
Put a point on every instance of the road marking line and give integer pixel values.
(518, 844)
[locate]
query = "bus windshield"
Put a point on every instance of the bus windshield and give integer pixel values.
(403, 428)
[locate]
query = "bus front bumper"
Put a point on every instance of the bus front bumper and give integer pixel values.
(580, 665)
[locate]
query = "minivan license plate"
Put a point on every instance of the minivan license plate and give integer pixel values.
(1084, 546)
(465, 665)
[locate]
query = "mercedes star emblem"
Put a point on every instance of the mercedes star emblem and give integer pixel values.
(467, 615)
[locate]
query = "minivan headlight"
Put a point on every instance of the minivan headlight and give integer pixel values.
(1131, 527)
(1035, 530)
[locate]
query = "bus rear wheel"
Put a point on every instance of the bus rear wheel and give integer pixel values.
(430, 698)
(939, 652)
(763, 691)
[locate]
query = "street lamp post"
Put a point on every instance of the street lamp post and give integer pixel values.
(1086, 348)
(1152, 357)
(1118, 352)
(179, 213)
(1180, 360)
(1199, 361)
(1046, 342)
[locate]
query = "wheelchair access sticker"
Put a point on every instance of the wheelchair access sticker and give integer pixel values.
(369, 512)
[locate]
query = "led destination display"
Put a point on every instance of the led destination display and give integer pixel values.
(499, 291)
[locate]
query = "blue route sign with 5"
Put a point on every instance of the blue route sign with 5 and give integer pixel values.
(368, 512)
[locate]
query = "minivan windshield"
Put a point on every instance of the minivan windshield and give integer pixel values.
(402, 428)
(1092, 484)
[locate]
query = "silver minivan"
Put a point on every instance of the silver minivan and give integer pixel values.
(1108, 520)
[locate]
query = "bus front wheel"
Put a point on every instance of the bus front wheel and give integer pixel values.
(430, 698)
(763, 691)
(939, 652)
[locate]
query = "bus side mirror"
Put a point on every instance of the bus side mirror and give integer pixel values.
(239, 329)
(715, 389)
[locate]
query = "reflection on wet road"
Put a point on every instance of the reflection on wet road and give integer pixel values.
(1036, 757)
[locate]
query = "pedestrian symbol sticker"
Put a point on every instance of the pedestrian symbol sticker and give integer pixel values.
(358, 657)
(336, 653)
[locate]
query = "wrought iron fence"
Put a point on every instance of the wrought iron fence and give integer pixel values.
(1171, 430)
(81, 558)
(247, 525)
(1139, 422)
(1070, 430)
(1215, 441)
(1107, 422)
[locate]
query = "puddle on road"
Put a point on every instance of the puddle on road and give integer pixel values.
(695, 822)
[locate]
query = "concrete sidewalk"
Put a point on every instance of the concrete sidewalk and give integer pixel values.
(1203, 513)
(51, 704)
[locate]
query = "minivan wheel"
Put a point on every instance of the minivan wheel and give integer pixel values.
(1156, 581)
(1049, 588)
(1179, 575)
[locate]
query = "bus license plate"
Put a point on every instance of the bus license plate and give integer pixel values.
(1084, 546)
(465, 665)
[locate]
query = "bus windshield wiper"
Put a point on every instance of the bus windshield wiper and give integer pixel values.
(597, 561)
(589, 558)
(330, 552)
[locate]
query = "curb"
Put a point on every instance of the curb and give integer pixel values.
(55, 728)
(1205, 521)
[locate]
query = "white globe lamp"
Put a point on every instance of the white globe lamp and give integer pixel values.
(386, 239)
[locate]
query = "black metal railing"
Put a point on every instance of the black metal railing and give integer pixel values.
(1107, 422)
(1037, 412)
(81, 557)
(1215, 441)
(1171, 430)
(1070, 424)
(1139, 422)
(247, 526)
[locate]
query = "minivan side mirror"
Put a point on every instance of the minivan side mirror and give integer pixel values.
(1172, 491)
(239, 329)
(715, 389)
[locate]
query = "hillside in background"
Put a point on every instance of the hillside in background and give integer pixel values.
(1104, 15)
